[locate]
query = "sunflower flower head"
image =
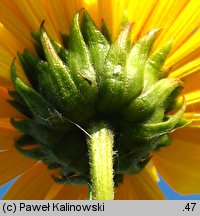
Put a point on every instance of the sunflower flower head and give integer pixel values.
(89, 81)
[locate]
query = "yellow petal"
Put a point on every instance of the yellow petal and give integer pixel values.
(193, 101)
(34, 12)
(179, 164)
(59, 15)
(139, 187)
(5, 81)
(7, 137)
(5, 62)
(53, 191)
(62, 12)
(92, 6)
(12, 164)
(187, 69)
(4, 93)
(139, 12)
(163, 15)
(190, 81)
(178, 22)
(9, 41)
(193, 118)
(5, 123)
(28, 15)
(6, 110)
(33, 184)
(15, 23)
(188, 51)
(9, 47)
(71, 192)
(6, 58)
(151, 169)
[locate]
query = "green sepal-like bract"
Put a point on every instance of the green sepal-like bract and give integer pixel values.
(143, 106)
(43, 112)
(112, 77)
(153, 66)
(92, 79)
(97, 44)
(65, 87)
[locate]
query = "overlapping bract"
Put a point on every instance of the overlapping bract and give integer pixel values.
(91, 80)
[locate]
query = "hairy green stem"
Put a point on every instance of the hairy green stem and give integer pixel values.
(100, 146)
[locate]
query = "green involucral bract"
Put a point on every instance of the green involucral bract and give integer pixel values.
(93, 80)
